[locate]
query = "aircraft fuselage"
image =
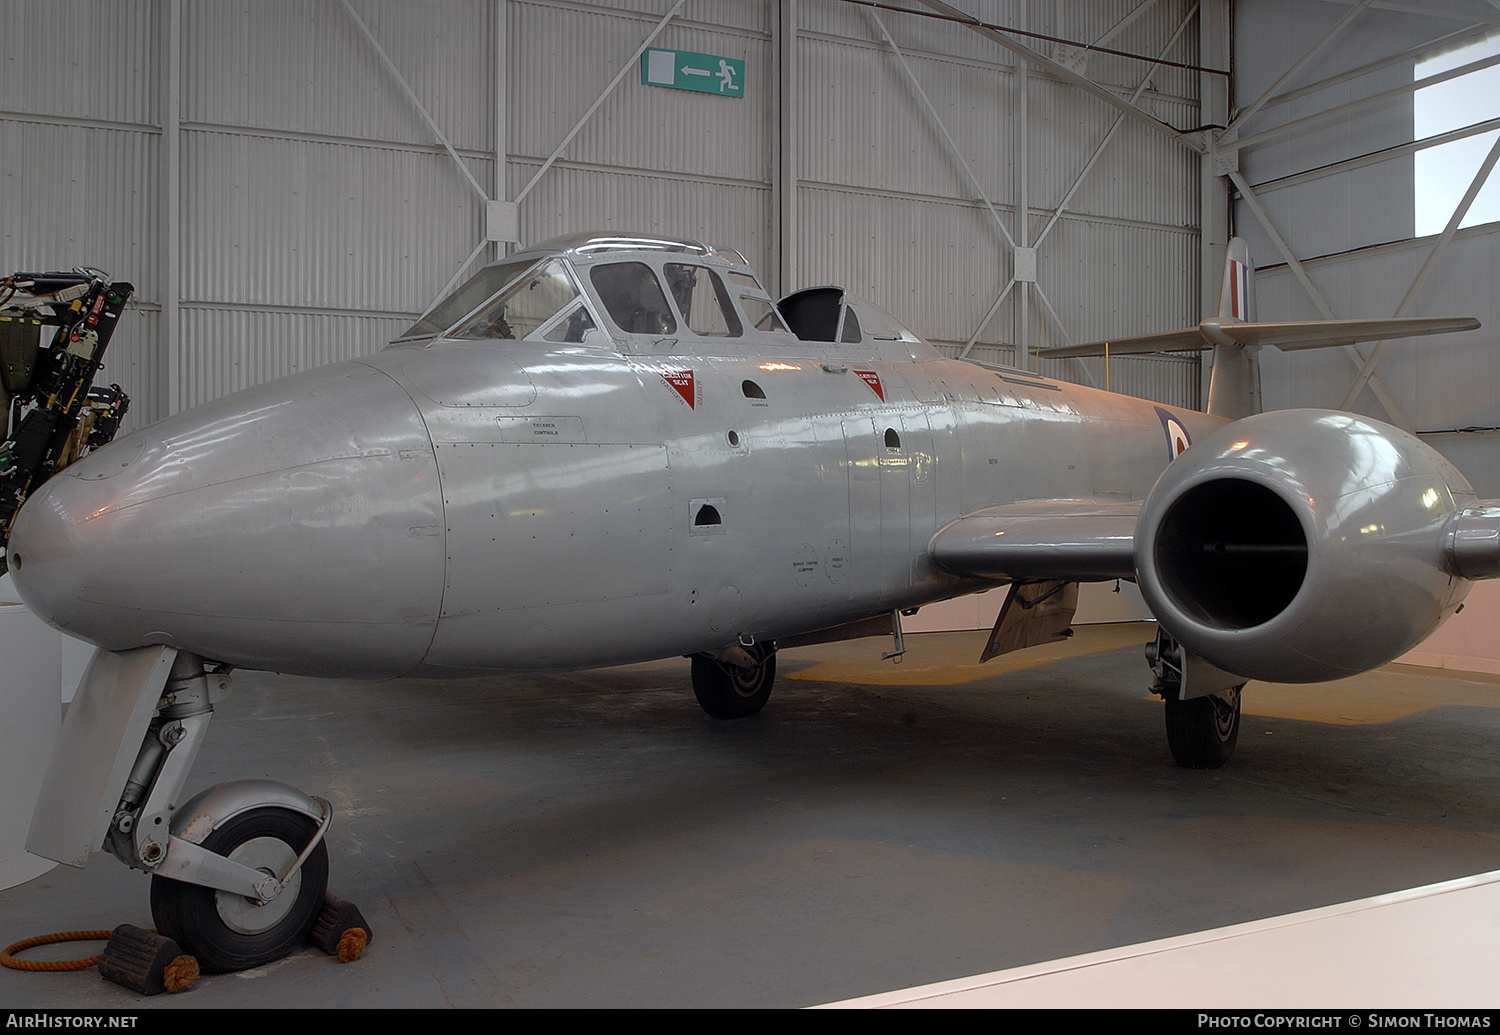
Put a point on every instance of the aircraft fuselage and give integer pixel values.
(463, 506)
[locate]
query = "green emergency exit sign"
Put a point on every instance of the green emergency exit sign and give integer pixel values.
(685, 70)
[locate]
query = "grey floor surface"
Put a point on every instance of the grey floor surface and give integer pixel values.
(593, 840)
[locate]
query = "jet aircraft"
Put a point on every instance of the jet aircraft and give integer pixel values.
(613, 448)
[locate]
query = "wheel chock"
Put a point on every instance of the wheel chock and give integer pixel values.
(340, 929)
(146, 962)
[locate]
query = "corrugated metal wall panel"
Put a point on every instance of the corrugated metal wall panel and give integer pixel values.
(869, 129)
(935, 265)
(88, 59)
(304, 66)
(273, 221)
(81, 196)
(1109, 279)
(638, 127)
(227, 350)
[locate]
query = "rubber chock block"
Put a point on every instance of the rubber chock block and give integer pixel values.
(340, 929)
(146, 962)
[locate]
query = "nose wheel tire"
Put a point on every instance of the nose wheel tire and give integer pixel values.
(229, 932)
(1202, 731)
(728, 691)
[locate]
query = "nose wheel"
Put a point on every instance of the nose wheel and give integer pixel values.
(229, 932)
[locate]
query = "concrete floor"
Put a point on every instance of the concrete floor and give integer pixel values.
(592, 839)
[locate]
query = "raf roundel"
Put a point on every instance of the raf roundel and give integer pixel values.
(1177, 437)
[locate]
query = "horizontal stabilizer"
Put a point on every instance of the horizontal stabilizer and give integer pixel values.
(1084, 540)
(1286, 335)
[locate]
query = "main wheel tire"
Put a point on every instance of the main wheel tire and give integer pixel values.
(1202, 731)
(229, 932)
(727, 691)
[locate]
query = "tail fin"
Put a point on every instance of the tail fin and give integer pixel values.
(1235, 334)
(1237, 296)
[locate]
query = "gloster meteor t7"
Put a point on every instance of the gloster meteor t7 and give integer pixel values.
(608, 449)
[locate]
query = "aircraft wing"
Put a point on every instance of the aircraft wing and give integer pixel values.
(1286, 335)
(1087, 540)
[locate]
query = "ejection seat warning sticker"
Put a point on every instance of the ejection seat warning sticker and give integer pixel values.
(683, 384)
(872, 379)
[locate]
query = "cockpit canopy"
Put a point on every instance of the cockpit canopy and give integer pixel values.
(609, 289)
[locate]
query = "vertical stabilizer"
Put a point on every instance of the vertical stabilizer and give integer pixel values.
(1237, 296)
(1234, 382)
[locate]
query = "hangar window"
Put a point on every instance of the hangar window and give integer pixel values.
(633, 297)
(483, 285)
(523, 307)
(702, 300)
(1445, 170)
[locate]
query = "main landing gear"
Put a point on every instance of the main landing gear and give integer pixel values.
(1202, 704)
(735, 683)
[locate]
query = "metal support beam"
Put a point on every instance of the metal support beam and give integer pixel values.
(1062, 71)
(629, 64)
(1366, 372)
(171, 381)
(953, 150)
(788, 183)
(1342, 110)
(390, 66)
(1392, 409)
(1297, 66)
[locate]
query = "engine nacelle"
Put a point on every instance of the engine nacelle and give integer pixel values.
(1309, 545)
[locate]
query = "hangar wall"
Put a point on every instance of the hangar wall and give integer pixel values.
(1324, 192)
(289, 182)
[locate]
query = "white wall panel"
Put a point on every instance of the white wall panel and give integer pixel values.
(311, 209)
(82, 59)
(564, 58)
(290, 222)
(225, 350)
(80, 196)
(304, 66)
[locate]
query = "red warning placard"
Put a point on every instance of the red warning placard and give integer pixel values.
(873, 380)
(682, 382)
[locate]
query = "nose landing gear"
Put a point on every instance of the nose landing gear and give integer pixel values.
(240, 871)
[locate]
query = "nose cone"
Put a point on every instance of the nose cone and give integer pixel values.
(295, 527)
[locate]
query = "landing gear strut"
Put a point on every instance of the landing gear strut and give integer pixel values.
(239, 873)
(735, 683)
(1202, 704)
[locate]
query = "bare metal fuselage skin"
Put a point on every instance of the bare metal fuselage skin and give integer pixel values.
(464, 506)
(562, 474)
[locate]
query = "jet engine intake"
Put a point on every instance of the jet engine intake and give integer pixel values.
(1309, 545)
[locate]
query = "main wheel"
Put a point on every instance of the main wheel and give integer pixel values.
(1202, 731)
(228, 932)
(727, 691)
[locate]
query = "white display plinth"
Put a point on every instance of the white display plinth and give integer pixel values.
(30, 695)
